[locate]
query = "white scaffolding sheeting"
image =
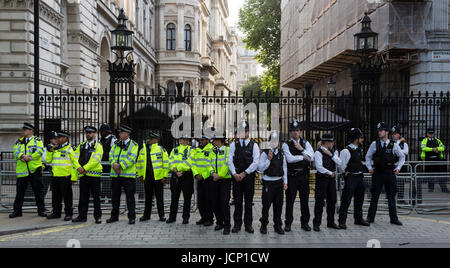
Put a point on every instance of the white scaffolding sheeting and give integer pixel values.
(317, 31)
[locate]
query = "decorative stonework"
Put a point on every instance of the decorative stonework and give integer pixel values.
(83, 38)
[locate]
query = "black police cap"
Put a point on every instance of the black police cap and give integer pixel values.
(63, 134)
(125, 128)
(90, 129)
(382, 126)
(28, 126)
(328, 137)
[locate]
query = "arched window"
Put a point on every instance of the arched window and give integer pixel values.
(171, 36)
(187, 89)
(171, 87)
(187, 38)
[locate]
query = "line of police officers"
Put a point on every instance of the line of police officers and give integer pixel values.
(218, 169)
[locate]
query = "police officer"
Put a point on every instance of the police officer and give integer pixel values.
(384, 171)
(89, 155)
(107, 140)
(326, 160)
(180, 163)
(273, 165)
(433, 150)
(201, 169)
(123, 158)
(243, 162)
(299, 153)
(28, 152)
(153, 169)
(53, 139)
(64, 168)
(397, 137)
(352, 166)
(220, 185)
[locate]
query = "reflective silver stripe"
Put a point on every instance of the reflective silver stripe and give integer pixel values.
(61, 165)
(124, 163)
(22, 174)
(94, 173)
(60, 158)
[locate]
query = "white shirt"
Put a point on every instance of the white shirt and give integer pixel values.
(113, 140)
(405, 149)
(264, 164)
(318, 161)
(253, 167)
(86, 146)
(397, 151)
(307, 154)
(345, 158)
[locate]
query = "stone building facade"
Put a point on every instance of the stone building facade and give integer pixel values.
(175, 41)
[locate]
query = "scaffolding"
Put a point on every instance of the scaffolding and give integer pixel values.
(317, 36)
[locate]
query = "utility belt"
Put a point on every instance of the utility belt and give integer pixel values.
(323, 176)
(298, 172)
(174, 176)
(272, 182)
(354, 175)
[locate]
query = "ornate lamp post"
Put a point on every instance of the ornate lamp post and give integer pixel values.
(366, 74)
(122, 71)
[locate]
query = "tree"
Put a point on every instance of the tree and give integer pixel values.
(253, 87)
(260, 22)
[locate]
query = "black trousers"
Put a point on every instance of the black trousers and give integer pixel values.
(325, 188)
(89, 186)
(354, 187)
(129, 186)
(272, 194)
(154, 188)
(244, 191)
(62, 190)
(35, 180)
(298, 184)
(183, 184)
(204, 206)
(442, 181)
(389, 181)
(220, 199)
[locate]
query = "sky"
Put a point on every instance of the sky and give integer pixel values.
(234, 6)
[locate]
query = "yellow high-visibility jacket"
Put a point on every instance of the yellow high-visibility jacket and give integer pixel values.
(94, 167)
(160, 162)
(63, 162)
(35, 149)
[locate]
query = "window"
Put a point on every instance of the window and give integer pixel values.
(187, 89)
(171, 87)
(171, 36)
(187, 38)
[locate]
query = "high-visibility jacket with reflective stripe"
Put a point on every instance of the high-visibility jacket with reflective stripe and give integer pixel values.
(219, 162)
(94, 167)
(126, 158)
(201, 161)
(160, 162)
(426, 149)
(63, 162)
(34, 148)
(181, 158)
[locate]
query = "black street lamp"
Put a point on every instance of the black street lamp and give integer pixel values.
(122, 72)
(366, 76)
(366, 41)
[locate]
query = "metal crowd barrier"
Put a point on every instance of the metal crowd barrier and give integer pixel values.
(410, 184)
(431, 193)
(8, 181)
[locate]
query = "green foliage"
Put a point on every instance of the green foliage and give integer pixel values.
(253, 87)
(260, 21)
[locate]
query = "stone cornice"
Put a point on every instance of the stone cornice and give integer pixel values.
(46, 12)
(83, 38)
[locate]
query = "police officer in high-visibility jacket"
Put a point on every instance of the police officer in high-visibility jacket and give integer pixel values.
(180, 163)
(153, 168)
(433, 150)
(201, 170)
(220, 186)
(28, 151)
(89, 155)
(64, 168)
(123, 158)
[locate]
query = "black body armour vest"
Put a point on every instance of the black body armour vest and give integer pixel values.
(85, 154)
(276, 165)
(355, 164)
(106, 143)
(299, 167)
(243, 156)
(432, 156)
(384, 158)
(327, 161)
